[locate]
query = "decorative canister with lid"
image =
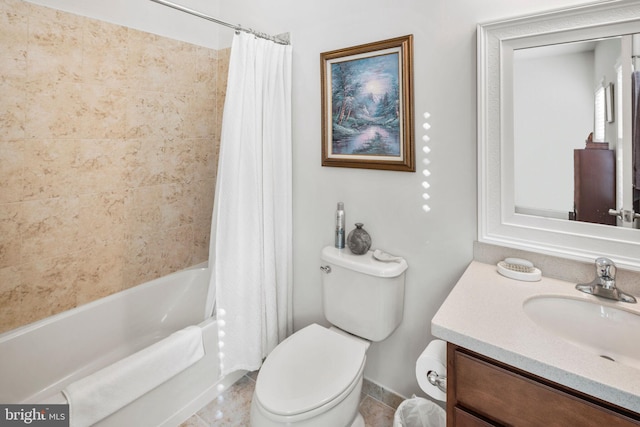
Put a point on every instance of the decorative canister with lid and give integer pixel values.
(358, 240)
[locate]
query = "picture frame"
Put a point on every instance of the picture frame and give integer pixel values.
(367, 106)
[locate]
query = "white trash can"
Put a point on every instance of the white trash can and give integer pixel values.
(419, 412)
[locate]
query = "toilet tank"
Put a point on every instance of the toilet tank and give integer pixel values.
(362, 295)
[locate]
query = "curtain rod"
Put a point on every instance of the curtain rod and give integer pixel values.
(217, 21)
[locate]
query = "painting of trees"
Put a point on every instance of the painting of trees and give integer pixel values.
(367, 106)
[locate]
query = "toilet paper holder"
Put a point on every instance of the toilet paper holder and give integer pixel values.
(436, 380)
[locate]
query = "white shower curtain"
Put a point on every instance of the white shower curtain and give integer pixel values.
(250, 250)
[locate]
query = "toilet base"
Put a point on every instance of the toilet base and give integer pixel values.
(337, 414)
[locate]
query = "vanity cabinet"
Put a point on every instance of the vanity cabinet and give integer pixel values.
(483, 392)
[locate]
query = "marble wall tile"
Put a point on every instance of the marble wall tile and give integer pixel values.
(143, 258)
(46, 170)
(203, 209)
(158, 63)
(11, 296)
(11, 165)
(177, 205)
(109, 140)
(62, 167)
(204, 194)
(103, 115)
(15, 6)
(11, 225)
(55, 110)
(181, 60)
(206, 66)
(179, 160)
(144, 162)
(101, 271)
(101, 218)
(175, 109)
(105, 54)
(221, 83)
(97, 166)
(177, 248)
(14, 35)
(48, 285)
(50, 228)
(205, 158)
(201, 241)
(13, 108)
(143, 207)
(156, 115)
(200, 112)
(55, 46)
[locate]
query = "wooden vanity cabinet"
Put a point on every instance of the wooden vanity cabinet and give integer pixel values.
(482, 392)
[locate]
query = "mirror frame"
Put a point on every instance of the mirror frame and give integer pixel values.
(498, 223)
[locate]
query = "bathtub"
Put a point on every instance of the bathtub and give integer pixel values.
(39, 360)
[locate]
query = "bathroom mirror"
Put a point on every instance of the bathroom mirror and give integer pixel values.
(561, 95)
(524, 155)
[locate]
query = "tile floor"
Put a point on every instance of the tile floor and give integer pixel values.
(231, 409)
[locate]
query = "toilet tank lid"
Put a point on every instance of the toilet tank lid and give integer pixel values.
(366, 263)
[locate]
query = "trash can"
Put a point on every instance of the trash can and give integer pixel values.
(419, 412)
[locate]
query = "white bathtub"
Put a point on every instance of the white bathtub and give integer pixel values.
(39, 360)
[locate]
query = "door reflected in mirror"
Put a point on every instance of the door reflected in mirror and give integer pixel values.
(572, 159)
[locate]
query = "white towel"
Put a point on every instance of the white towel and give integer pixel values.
(102, 393)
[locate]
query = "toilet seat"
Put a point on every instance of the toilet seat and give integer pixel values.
(308, 370)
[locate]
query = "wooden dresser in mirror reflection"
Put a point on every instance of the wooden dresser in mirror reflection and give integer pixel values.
(594, 181)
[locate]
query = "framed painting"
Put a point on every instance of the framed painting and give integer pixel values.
(367, 106)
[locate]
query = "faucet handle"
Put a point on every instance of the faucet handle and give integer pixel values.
(605, 268)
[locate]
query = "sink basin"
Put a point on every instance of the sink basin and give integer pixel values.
(602, 329)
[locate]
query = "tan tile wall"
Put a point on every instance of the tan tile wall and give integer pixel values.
(108, 152)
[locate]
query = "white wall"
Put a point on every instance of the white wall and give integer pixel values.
(553, 98)
(438, 244)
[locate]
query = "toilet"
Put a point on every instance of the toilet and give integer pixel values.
(314, 377)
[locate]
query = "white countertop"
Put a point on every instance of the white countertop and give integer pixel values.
(484, 313)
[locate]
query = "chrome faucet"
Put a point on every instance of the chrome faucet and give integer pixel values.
(604, 285)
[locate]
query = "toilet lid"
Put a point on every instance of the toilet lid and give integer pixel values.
(308, 369)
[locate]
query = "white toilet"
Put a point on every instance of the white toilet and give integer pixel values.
(314, 377)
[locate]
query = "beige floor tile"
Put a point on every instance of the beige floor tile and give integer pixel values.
(233, 407)
(376, 414)
(194, 421)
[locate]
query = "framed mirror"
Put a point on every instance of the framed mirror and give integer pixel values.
(555, 92)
